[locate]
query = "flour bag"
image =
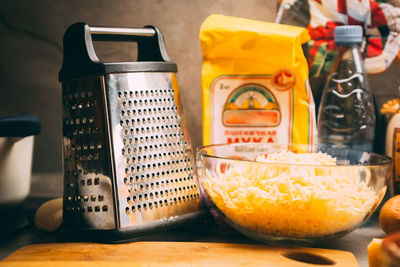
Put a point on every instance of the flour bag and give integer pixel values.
(255, 83)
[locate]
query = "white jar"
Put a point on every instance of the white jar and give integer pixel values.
(15, 169)
(16, 149)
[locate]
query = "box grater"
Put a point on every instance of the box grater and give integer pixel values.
(128, 161)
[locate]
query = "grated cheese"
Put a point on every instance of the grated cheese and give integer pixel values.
(291, 200)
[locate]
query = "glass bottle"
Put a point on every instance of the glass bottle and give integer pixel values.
(346, 113)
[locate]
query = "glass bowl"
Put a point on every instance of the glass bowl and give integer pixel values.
(314, 198)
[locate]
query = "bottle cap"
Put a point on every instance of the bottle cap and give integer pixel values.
(348, 35)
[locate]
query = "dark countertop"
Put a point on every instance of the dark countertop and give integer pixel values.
(205, 230)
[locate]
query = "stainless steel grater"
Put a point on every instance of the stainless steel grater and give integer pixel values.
(128, 161)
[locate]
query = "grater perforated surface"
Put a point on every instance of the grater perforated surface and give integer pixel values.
(88, 193)
(128, 161)
(153, 156)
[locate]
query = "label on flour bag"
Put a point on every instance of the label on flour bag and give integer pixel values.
(251, 109)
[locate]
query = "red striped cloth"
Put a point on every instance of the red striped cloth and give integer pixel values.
(381, 23)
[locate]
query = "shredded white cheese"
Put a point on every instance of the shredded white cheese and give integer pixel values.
(291, 200)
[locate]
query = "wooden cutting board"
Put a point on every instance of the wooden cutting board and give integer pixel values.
(174, 254)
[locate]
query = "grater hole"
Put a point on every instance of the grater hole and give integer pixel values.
(97, 208)
(89, 209)
(127, 210)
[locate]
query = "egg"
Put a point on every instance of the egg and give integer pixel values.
(389, 217)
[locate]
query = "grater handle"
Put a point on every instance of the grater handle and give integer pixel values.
(111, 31)
(150, 41)
(80, 58)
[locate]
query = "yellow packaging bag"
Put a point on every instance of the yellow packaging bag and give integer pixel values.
(255, 83)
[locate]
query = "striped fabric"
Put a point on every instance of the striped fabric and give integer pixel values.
(380, 20)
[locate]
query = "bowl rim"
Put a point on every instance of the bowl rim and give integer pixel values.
(386, 160)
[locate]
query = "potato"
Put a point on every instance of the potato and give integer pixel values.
(49, 216)
(389, 217)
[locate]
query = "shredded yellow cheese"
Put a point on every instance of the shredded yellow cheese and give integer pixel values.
(289, 199)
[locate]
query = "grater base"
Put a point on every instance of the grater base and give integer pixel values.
(126, 235)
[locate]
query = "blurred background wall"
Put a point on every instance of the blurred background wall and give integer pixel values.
(31, 54)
